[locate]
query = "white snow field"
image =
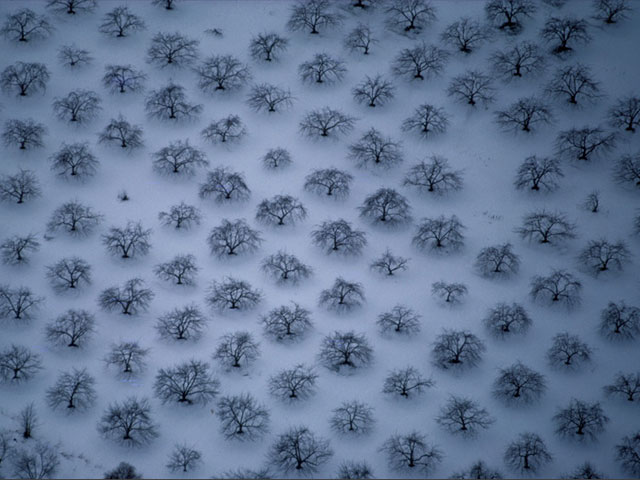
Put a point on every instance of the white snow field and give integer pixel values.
(488, 205)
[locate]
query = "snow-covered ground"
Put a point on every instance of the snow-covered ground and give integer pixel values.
(488, 206)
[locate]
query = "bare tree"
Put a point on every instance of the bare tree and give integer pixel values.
(546, 227)
(271, 98)
(399, 319)
(170, 102)
(130, 241)
(619, 321)
(409, 451)
(352, 418)
(522, 59)
(628, 452)
(375, 90)
(128, 357)
(373, 150)
(611, 11)
(538, 174)
(322, 68)
(18, 303)
(462, 415)
(123, 470)
(166, 4)
(242, 417)
(131, 298)
(388, 263)
(188, 382)
(123, 78)
(237, 349)
(601, 256)
(179, 158)
(342, 296)
(478, 469)
(524, 114)
(285, 268)
(25, 134)
(24, 25)
(457, 349)
(74, 160)
(409, 15)
(465, 34)
(120, 22)
(68, 273)
(78, 106)
(472, 87)
(626, 385)
(233, 238)
(439, 234)
(449, 292)
(6, 445)
(326, 120)
(224, 185)
(172, 49)
(427, 120)
(72, 328)
(74, 218)
(277, 158)
(434, 175)
(338, 236)
(508, 15)
(580, 420)
(584, 143)
(519, 384)
(312, 15)
(340, 350)
(128, 422)
(267, 46)
(233, 294)
(504, 320)
(184, 458)
(568, 351)
(296, 383)
(181, 216)
(331, 182)
(299, 450)
(387, 207)
(565, 32)
(123, 133)
(15, 250)
(527, 453)
(574, 83)
(627, 170)
(592, 202)
(72, 7)
(353, 469)
(74, 389)
(181, 269)
(25, 78)
(71, 56)
(420, 62)
(226, 130)
(18, 364)
(406, 382)
(38, 461)
(28, 420)
(559, 286)
(497, 260)
(360, 38)
(222, 73)
(625, 113)
(183, 323)
(287, 322)
(280, 210)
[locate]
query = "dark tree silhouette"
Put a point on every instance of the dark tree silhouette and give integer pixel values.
(518, 384)
(181, 216)
(226, 130)
(270, 98)
(322, 68)
(222, 73)
(568, 351)
(28, 420)
(373, 150)
(478, 469)
(439, 234)
(233, 294)
(15, 250)
(524, 114)
(166, 4)
(25, 134)
(434, 175)
(497, 260)
(24, 25)
(184, 458)
(130, 241)
(522, 59)
(353, 469)
(472, 87)
(180, 270)
(313, 15)
(18, 303)
(128, 357)
(72, 57)
(601, 256)
(170, 102)
(575, 84)
(457, 349)
(130, 298)
(72, 328)
(123, 78)
(388, 263)
(462, 415)
(465, 34)
(406, 382)
(72, 390)
(25, 78)
(124, 470)
(37, 461)
(74, 160)
(508, 15)
(352, 418)
(625, 113)
(342, 296)
(373, 91)
(233, 238)
(427, 120)
(299, 450)
(360, 38)
(338, 236)
(78, 106)
(584, 143)
(504, 320)
(331, 182)
(611, 11)
(74, 218)
(420, 62)
(292, 384)
(527, 453)
(72, 7)
(580, 420)
(172, 49)
(619, 321)
(625, 385)
(280, 210)
(449, 292)
(122, 133)
(224, 185)
(409, 15)
(627, 170)
(538, 174)
(628, 453)
(68, 273)
(399, 319)
(128, 422)
(340, 350)
(387, 207)
(565, 33)
(287, 322)
(406, 452)
(326, 120)
(277, 158)
(120, 22)
(546, 227)
(179, 158)
(18, 364)
(242, 417)
(182, 323)
(237, 349)
(268, 46)
(585, 470)
(188, 382)
(285, 268)
(559, 286)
